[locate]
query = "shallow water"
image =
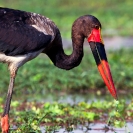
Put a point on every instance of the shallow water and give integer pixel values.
(98, 128)
(76, 98)
(120, 42)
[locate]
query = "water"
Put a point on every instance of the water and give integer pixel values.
(120, 42)
(76, 98)
(97, 128)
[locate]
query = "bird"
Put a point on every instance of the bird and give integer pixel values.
(25, 35)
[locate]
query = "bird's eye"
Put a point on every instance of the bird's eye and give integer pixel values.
(96, 26)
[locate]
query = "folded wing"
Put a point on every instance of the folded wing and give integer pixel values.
(18, 36)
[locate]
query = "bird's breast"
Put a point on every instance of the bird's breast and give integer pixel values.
(19, 60)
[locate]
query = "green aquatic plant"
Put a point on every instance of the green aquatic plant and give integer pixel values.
(118, 114)
(30, 116)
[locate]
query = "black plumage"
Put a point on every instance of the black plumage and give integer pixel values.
(17, 35)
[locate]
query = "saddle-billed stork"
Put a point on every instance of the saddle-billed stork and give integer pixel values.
(24, 35)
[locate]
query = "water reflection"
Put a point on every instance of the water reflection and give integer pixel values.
(97, 128)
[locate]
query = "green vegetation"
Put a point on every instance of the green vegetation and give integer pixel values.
(40, 74)
(115, 16)
(29, 116)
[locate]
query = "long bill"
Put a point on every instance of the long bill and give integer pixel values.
(99, 54)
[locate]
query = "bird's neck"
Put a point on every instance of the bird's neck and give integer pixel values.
(63, 61)
(70, 61)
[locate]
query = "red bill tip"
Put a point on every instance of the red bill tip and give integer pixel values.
(104, 70)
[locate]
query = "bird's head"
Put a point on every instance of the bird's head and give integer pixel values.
(91, 29)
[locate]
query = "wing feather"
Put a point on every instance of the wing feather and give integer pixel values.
(17, 36)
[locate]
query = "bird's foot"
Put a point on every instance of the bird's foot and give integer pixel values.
(5, 124)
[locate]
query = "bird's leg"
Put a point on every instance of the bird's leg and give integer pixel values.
(5, 116)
